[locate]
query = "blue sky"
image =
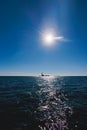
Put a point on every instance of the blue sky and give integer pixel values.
(21, 24)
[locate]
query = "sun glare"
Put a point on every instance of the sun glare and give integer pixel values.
(48, 39)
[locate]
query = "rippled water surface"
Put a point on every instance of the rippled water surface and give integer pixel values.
(43, 103)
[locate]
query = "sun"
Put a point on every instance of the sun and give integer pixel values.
(48, 39)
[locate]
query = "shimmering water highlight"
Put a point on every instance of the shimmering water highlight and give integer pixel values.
(43, 103)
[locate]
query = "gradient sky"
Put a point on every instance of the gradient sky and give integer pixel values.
(21, 25)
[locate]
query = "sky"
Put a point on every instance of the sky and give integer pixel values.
(22, 24)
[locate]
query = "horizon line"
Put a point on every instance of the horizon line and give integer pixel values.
(27, 74)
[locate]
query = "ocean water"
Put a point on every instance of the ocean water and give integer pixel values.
(43, 103)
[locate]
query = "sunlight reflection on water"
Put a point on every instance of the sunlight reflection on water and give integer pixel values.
(43, 103)
(52, 107)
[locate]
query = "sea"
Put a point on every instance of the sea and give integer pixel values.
(43, 103)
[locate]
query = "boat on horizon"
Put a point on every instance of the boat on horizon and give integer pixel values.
(42, 74)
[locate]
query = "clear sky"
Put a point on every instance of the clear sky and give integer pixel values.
(22, 23)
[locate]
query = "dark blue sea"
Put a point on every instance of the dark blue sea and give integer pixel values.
(43, 103)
